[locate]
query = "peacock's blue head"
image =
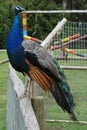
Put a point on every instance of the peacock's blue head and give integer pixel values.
(18, 9)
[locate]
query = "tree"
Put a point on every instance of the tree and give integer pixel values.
(41, 23)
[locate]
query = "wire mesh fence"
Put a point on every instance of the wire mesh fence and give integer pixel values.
(70, 46)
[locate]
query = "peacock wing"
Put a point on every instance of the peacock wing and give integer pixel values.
(40, 58)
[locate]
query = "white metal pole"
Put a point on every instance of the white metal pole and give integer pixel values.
(55, 11)
(55, 31)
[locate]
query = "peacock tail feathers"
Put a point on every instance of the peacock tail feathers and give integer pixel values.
(62, 94)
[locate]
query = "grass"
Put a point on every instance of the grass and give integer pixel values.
(66, 126)
(78, 84)
(3, 91)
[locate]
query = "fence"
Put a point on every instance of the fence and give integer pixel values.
(70, 46)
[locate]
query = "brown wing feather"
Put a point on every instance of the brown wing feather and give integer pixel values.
(40, 77)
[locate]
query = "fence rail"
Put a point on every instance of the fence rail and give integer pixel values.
(54, 11)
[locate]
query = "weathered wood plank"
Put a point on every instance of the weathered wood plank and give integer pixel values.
(65, 121)
(20, 114)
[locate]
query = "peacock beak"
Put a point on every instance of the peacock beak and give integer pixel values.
(22, 9)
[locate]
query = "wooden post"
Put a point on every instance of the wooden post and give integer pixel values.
(38, 106)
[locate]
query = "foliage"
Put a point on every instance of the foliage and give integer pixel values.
(42, 24)
(4, 22)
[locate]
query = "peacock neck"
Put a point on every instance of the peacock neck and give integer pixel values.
(16, 19)
(15, 36)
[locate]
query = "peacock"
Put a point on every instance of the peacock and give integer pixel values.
(33, 60)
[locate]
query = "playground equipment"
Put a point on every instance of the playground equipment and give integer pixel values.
(74, 52)
(66, 41)
(70, 38)
(54, 47)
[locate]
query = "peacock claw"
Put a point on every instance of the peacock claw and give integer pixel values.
(26, 93)
(23, 96)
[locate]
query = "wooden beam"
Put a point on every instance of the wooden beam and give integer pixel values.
(38, 106)
(66, 121)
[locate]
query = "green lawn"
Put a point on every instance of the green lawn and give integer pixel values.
(3, 91)
(78, 84)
